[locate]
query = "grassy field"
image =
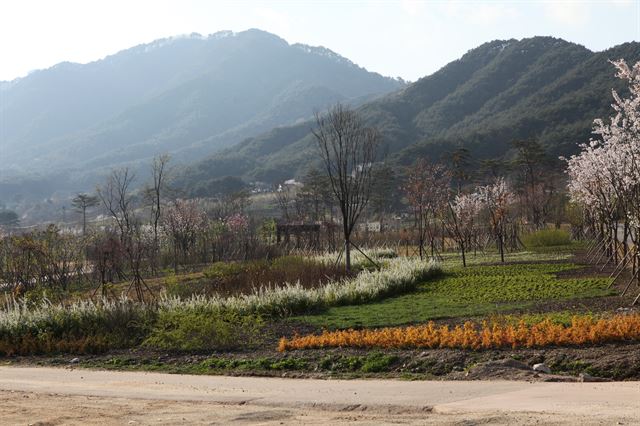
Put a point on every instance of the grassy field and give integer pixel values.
(467, 292)
(202, 336)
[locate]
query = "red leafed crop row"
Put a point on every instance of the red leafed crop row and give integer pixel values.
(583, 330)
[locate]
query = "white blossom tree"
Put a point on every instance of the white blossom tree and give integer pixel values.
(464, 212)
(497, 199)
(605, 176)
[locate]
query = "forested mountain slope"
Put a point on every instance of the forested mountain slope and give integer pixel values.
(189, 96)
(538, 88)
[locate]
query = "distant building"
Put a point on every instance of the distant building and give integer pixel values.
(375, 226)
(292, 182)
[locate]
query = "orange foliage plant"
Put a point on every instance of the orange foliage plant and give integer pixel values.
(582, 330)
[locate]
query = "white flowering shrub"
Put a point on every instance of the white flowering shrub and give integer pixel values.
(108, 322)
(400, 275)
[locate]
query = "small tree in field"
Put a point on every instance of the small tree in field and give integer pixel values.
(155, 194)
(497, 198)
(348, 150)
(183, 221)
(117, 199)
(427, 190)
(82, 202)
(464, 211)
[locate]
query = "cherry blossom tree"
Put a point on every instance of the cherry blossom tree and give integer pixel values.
(464, 212)
(604, 178)
(497, 199)
(183, 220)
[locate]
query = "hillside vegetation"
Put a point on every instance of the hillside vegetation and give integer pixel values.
(188, 96)
(539, 88)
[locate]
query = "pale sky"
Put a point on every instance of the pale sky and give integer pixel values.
(406, 38)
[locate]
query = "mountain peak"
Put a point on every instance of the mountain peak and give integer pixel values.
(189, 95)
(323, 51)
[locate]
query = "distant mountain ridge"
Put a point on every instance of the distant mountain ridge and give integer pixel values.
(188, 95)
(540, 88)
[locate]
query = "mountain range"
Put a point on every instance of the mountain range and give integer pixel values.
(189, 96)
(540, 88)
(241, 104)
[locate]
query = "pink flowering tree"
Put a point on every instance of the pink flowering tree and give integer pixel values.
(237, 226)
(183, 221)
(237, 223)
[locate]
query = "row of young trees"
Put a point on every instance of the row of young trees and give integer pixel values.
(604, 178)
(359, 183)
(471, 219)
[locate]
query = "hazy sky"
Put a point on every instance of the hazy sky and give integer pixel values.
(396, 38)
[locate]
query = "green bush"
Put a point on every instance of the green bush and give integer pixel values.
(547, 238)
(223, 270)
(202, 330)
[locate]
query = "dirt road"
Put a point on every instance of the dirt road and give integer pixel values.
(65, 396)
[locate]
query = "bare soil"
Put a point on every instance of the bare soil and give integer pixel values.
(47, 396)
(620, 361)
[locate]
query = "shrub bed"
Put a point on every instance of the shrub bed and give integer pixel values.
(582, 330)
(196, 323)
(82, 327)
(399, 276)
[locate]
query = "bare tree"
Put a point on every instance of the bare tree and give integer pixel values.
(534, 180)
(82, 202)
(460, 162)
(117, 199)
(427, 190)
(348, 149)
(155, 194)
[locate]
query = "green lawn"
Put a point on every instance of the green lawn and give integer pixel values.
(462, 292)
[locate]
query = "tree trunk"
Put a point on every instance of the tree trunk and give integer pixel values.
(84, 221)
(464, 257)
(175, 257)
(347, 253)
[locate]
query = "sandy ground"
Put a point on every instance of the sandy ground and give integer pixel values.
(64, 396)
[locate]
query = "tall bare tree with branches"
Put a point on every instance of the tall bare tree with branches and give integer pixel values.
(117, 199)
(82, 202)
(427, 191)
(154, 195)
(115, 196)
(348, 149)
